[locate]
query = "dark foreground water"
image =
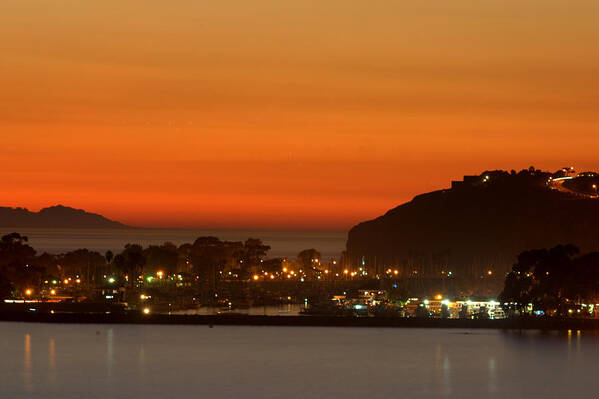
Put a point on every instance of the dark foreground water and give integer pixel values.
(283, 243)
(99, 361)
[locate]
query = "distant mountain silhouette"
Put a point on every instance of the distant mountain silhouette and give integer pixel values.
(481, 224)
(55, 217)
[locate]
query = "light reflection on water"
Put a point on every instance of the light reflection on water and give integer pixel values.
(290, 309)
(126, 361)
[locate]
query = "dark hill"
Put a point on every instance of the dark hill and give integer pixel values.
(480, 224)
(54, 217)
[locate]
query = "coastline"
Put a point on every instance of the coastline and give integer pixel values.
(300, 321)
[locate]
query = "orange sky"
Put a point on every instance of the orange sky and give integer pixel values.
(285, 114)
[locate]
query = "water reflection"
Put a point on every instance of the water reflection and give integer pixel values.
(271, 310)
(109, 351)
(52, 361)
(492, 375)
(446, 375)
(72, 362)
(27, 364)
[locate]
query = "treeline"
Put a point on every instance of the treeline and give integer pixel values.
(556, 282)
(207, 258)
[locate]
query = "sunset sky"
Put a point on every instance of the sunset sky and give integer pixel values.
(286, 114)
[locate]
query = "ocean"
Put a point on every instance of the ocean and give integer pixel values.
(283, 243)
(52, 361)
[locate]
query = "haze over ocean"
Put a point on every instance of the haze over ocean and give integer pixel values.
(283, 243)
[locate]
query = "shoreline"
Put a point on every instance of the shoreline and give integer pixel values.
(300, 321)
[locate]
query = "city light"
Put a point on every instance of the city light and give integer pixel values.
(28, 292)
(160, 273)
(146, 310)
(256, 277)
(52, 292)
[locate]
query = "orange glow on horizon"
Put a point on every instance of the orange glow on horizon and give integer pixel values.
(272, 114)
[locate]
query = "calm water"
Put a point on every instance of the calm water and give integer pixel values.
(71, 361)
(283, 243)
(274, 310)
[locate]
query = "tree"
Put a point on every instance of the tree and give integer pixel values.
(109, 256)
(81, 262)
(164, 257)
(274, 265)
(209, 256)
(254, 251)
(130, 262)
(6, 287)
(14, 250)
(49, 263)
(308, 260)
(546, 278)
(17, 262)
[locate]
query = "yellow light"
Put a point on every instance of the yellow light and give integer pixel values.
(142, 297)
(52, 292)
(28, 292)
(66, 281)
(146, 310)
(256, 277)
(490, 272)
(284, 270)
(326, 272)
(439, 297)
(160, 273)
(345, 271)
(396, 272)
(78, 281)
